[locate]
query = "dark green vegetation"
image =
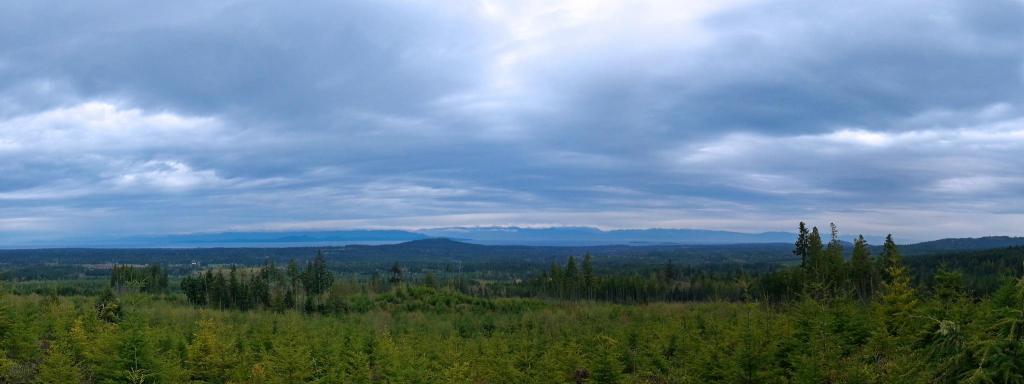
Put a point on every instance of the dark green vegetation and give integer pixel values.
(828, 313)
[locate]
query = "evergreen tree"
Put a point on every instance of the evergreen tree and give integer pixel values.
(396, 273)
(571, 270)
(889, 258)
(588, 275)
(294, 275)
(898, 297)
(221, 291)
(429, 280)
(802, 247)
(289, 300)
(135, 356)
(669, 272)
(59, 366)
(815, 270)
(234, 287)
(1001, 354)
(557, 281)
(608, 369)
(317, 279)
(834, 267)
(323, 277)
(862, 269)
(108, 308)
(209, 357)
(949, 285)
(572, 278)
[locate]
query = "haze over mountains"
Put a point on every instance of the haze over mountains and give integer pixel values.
(555, 236)
(437, 251)
(594, 236)
(547, 236)
(491, 236)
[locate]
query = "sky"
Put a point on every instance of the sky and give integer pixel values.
(121, 117)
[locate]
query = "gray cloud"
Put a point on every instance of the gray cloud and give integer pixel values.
(741, 115)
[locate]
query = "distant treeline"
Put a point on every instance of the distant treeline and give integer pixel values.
(151, 279)
(265, 287)
(822, 272)
(982, 272)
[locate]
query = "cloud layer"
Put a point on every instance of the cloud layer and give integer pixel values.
(743, 115)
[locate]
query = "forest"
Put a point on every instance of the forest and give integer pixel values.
(833, 312)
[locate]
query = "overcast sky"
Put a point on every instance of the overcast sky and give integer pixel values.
(126, 117)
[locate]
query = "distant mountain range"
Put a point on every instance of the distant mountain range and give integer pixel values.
(551, 236)
(554, 236)
(350, 236)
(594, 236)
(436, 251)
(229, 239)
(377, 248)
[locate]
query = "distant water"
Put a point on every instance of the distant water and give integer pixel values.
(273, 244)
(235, 244)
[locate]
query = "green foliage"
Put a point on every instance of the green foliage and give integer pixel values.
(152, 278)
(108, 308)
(608, 368)
(420, 334)
(890, 258)
(827, 321)
(59, 366)
(802, 248)
(863, 273)
(209, 357)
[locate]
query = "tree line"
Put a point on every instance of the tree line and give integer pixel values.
(150, 279)
(823, 272)
(265, 287)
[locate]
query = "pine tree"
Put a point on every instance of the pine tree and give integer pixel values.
(608, 369)
(815, 266)
(588, 275)
(834, 268)
(669, 272)
(294, 275)
(59, 366)
(949, 285)
(317, 279)
(898, 297)
(862, 269)
(234, 288)
(429, 280)
(209, 357)
(108, 308)
(557, 280)
(889, 258)
(324, 278)
(135, 356)
(1002, 353)
(396, 273)
(802, 246)
(572, 277)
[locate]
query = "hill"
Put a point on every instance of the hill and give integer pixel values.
(962, 244)
(576, 236)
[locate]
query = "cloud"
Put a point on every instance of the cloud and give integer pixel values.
(106, 127)
(943, 167)
(167, 175)
(208, 115)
